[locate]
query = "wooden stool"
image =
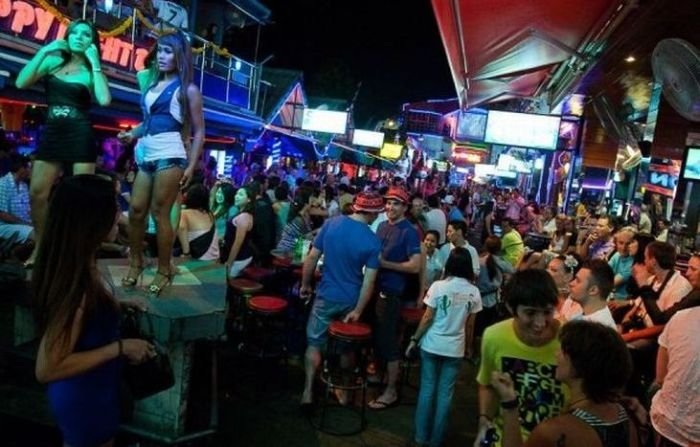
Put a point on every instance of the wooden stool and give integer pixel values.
(357, 338)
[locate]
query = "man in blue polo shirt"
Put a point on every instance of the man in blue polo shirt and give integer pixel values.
(348, 246)
(401, 256)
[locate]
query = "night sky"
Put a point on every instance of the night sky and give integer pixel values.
(394, 49)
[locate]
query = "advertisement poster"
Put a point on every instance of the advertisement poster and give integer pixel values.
(662, 177)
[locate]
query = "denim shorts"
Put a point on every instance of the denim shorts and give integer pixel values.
(151, 167)
(322, 313)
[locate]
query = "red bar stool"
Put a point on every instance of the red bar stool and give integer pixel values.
(263, 340)
(265, 328)
(238, 294)
(259, 274)
(343, 337)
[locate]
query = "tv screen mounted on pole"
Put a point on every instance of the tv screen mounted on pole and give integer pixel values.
(690, 170)
(522, 130)
(327, 121)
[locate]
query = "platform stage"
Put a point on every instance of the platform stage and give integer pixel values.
(193, 308)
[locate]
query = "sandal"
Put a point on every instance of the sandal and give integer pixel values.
(157, 286)
(133, 276)
(378, 404)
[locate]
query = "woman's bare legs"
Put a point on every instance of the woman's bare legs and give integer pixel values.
(165, 190)
(138, 211)
(44, 175)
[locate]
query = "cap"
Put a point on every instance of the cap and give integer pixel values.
(368, 202)
(449, 200)
(397, 193)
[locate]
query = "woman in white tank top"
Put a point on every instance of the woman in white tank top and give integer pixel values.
(172, 107)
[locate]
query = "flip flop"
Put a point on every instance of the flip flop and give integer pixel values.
(379, 405)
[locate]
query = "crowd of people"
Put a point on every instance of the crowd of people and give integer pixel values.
(557, 324)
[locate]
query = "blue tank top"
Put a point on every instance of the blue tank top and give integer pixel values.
(157, 118)
(86, 406)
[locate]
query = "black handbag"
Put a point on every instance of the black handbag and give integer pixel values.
(155, 374)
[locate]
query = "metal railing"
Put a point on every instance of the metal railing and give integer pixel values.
(219, 75)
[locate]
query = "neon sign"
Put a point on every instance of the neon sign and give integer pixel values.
(32, 22)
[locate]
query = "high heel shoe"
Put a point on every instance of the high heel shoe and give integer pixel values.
(157, 285)
(133, 276)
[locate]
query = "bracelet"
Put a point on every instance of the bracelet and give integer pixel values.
(414, 339)
(185, 254)
(121, 347)
(509, 404)
(97, 70)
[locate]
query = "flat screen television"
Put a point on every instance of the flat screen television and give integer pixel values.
(471, 125)
(327, 121)
(367, 138)
(522, 130)
(390, 150)
(507, 162)
(690, 170)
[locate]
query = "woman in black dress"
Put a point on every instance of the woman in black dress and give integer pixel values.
(73, 76)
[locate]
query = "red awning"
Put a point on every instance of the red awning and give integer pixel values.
(504, 49)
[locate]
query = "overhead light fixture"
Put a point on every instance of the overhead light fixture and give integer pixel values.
(629, 59)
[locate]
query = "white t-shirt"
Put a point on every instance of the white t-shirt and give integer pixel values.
(435, 220)
(171, 14)
(447, 248)
(602, 316)
(675, 409)
(452, 299)
(569, 310)
(675, 290)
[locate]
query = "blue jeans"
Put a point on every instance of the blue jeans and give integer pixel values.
(438, 375)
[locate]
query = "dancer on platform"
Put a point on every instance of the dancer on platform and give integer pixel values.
(172, 108)
(73, 77)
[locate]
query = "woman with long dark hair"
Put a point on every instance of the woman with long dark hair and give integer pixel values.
(449, 302)
(172, 109)
(237, 251)
(492, 275)
(639, 277)
(197, 230)
(221, 201)
(73, 74)
(77, 316)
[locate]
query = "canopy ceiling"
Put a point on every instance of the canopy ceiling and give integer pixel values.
(505, 49)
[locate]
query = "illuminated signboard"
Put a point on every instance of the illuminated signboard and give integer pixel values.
(390, 150)
(522, 129)
(367, 138)
(317, 120)
(31, 22)
(462, 155)
(663, 178)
